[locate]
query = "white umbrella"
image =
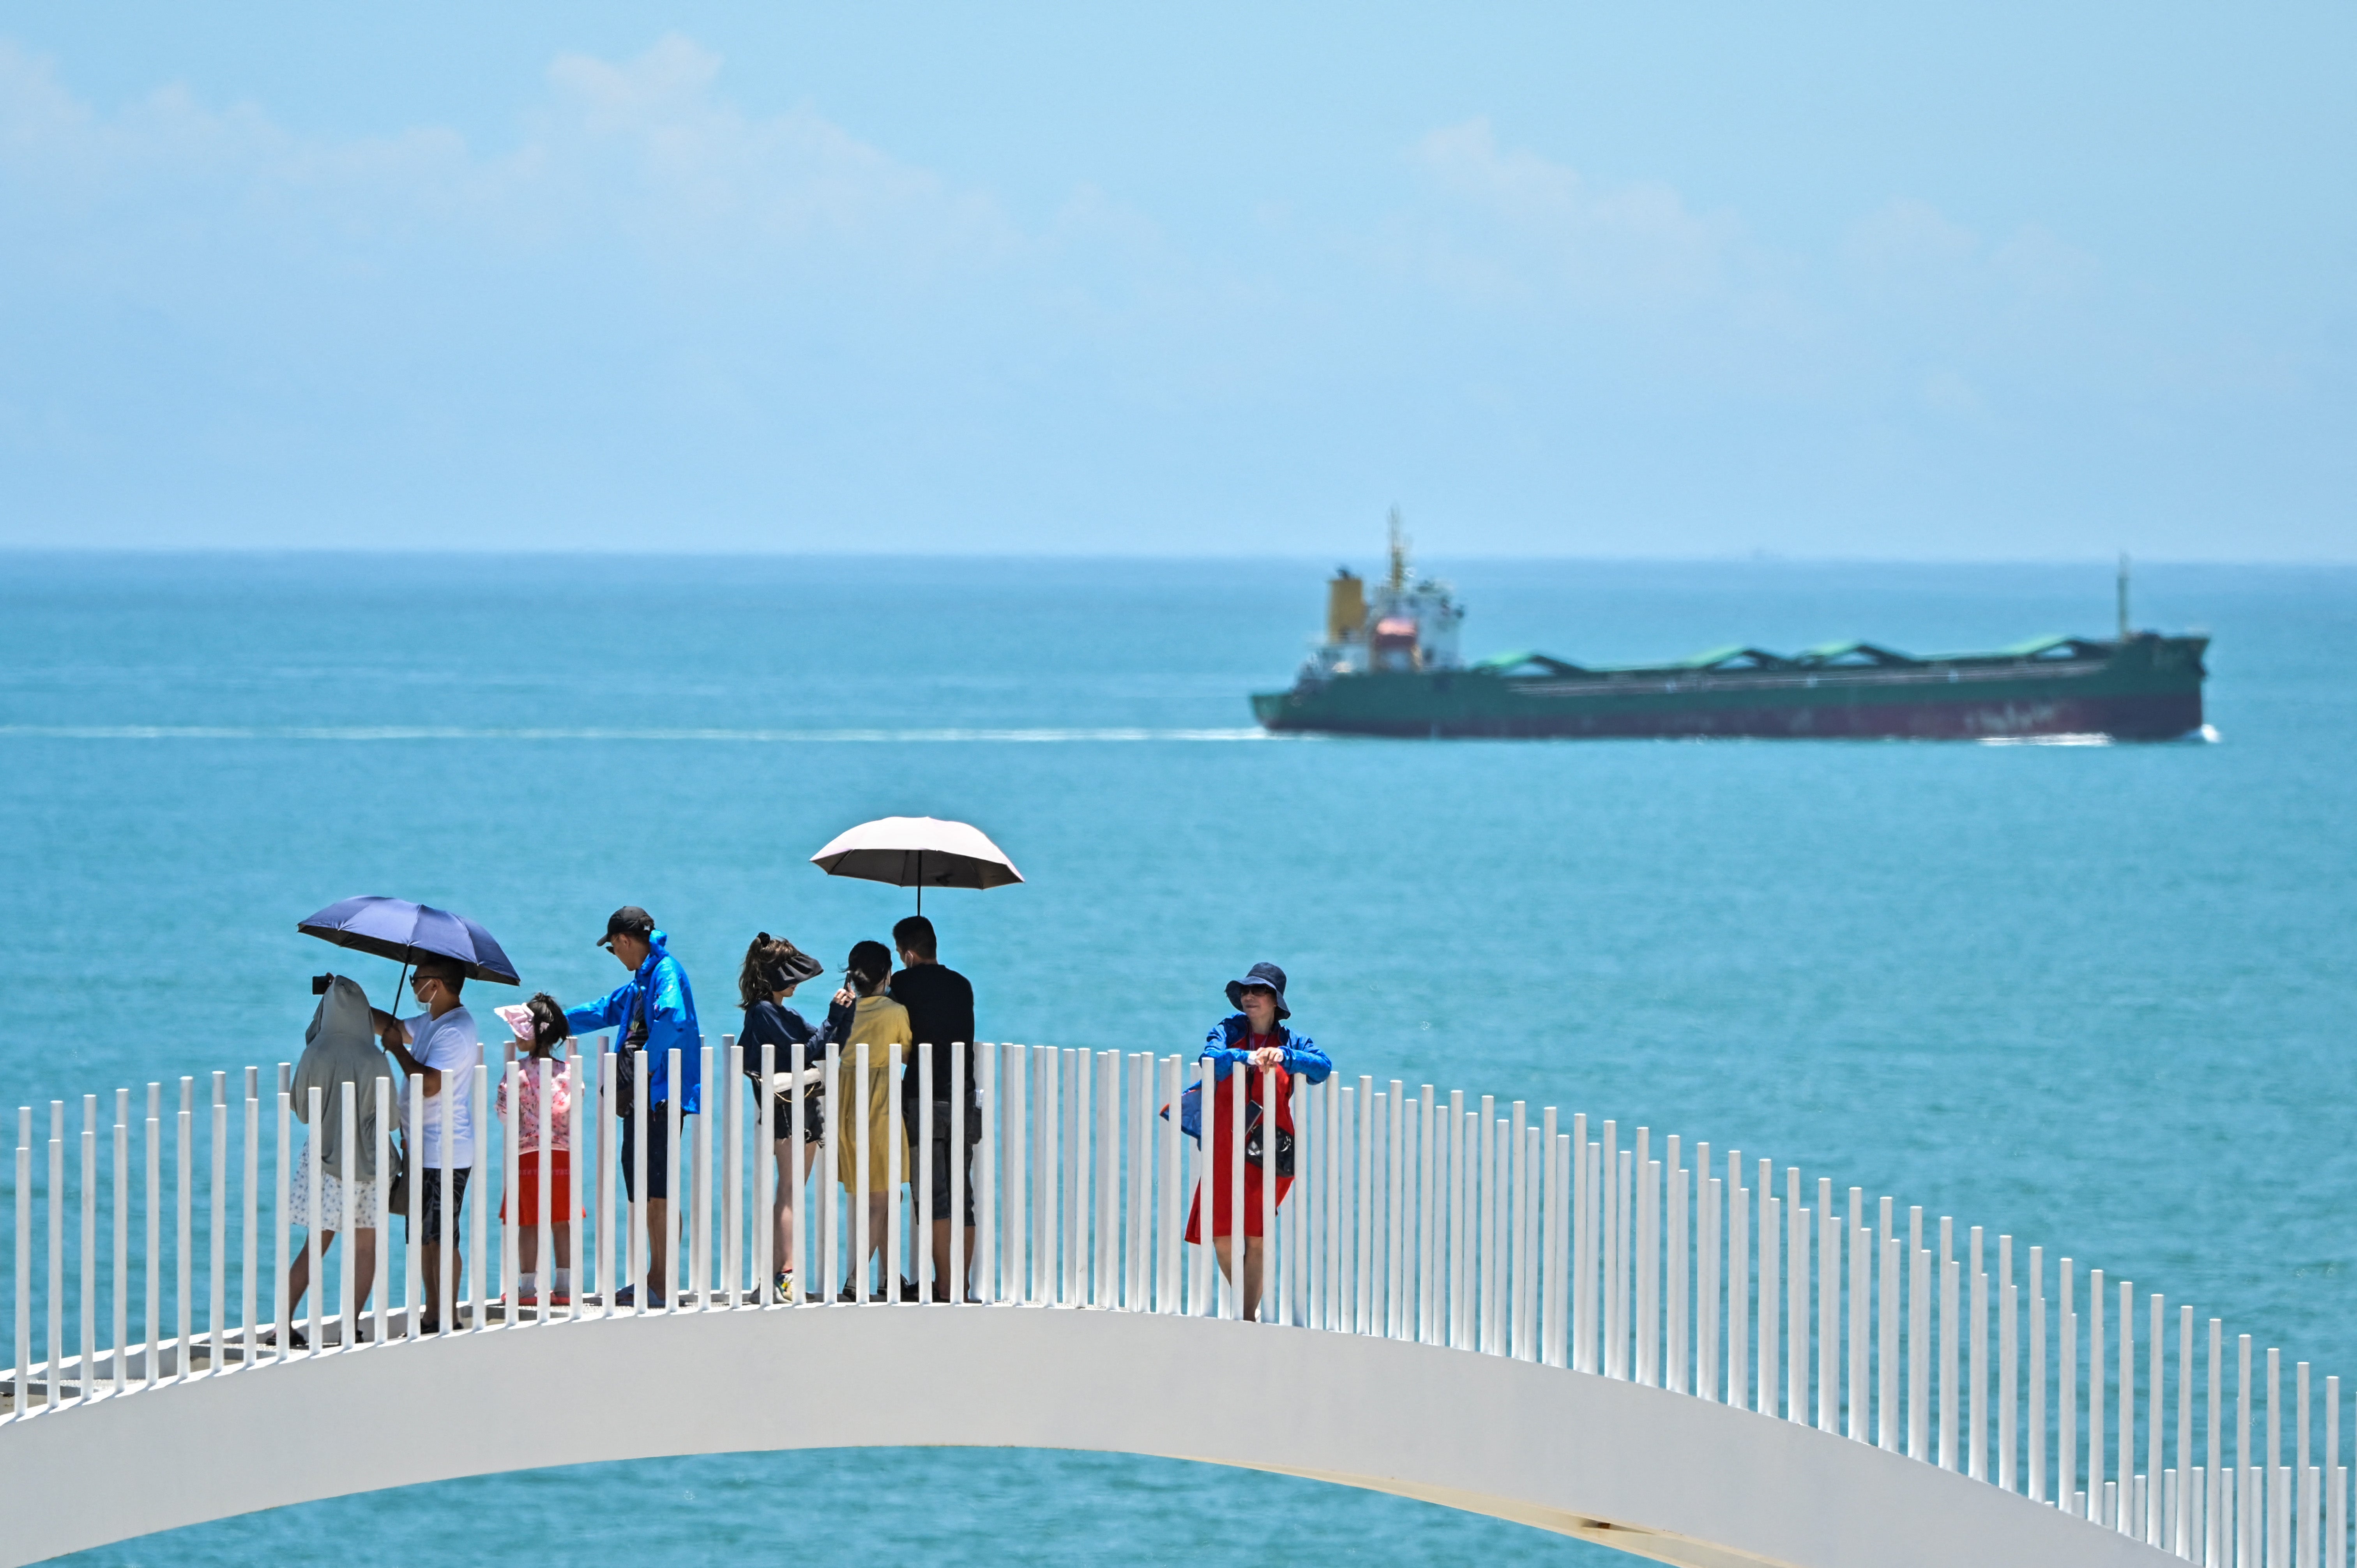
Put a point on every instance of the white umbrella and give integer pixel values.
(919, 853)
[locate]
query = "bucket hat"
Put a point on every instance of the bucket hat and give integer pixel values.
(1266, 974)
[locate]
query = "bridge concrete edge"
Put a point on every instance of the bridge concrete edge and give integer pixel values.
(1659, 1474)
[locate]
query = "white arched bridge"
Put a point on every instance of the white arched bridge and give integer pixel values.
(1637, 1342)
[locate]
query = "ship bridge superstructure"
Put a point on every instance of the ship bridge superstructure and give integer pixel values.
(1406, 622)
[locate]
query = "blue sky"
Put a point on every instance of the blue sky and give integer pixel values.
(1934, 281)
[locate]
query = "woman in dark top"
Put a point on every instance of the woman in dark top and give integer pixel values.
(773, 968)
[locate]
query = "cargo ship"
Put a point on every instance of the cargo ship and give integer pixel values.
(1389, 666)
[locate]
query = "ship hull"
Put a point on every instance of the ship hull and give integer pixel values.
(2147, 690)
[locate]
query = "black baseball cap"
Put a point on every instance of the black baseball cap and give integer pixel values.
(629, 920)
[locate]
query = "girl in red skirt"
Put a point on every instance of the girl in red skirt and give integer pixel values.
(539, 1024)
(1255, 1039)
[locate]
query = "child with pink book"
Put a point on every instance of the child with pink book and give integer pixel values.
(539, 1024)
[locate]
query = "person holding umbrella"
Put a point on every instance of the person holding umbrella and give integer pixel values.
(440, 1043)
(655, 1010)
(440, 1046)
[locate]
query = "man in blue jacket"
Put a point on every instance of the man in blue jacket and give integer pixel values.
(655, 1011)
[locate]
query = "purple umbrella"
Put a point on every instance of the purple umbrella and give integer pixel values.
(397, 928)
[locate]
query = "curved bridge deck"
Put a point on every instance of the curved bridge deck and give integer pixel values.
(1465, 1304)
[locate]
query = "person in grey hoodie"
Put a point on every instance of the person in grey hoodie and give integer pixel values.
(340, 1048)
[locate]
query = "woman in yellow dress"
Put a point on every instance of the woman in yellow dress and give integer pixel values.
(882, 1025)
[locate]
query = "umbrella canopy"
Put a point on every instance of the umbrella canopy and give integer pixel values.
(919, 853)
(397, 928)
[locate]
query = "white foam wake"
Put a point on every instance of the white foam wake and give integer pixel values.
(367, 733)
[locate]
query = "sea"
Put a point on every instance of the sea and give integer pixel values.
(2096, 997)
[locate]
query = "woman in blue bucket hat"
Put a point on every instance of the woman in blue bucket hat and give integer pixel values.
(1255, 1037)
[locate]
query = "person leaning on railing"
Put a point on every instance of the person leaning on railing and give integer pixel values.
(655, 1010)
(1256, 1039)
(773, 968)
(941, 1013)
(864, 1016)
(340, 1048)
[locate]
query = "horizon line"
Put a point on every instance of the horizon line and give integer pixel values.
(584, 552)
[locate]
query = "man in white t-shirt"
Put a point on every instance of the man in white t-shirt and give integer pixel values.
(440, 1046)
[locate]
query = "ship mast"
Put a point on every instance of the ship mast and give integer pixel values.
(1399, 555)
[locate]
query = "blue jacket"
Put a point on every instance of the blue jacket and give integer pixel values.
(1302, 1057)
(670, 1021)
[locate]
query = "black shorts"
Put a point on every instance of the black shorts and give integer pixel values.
(430, 1201)
(781, 1118)
(658, 1145)
(941, 1204)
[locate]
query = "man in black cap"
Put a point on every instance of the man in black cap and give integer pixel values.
(941, 1013)
(655, 1010)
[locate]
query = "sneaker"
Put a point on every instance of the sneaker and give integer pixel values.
(523, 1298)
(783, 1286)
(560, 1298)
(628, 1297)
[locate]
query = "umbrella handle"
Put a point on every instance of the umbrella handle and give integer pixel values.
(397, 984)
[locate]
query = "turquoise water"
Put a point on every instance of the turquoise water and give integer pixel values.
(2097, 997)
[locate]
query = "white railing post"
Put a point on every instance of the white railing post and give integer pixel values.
(896, 1146)
(1919, 1342)
(1861, 1300)
(921, 1191)
(611, 1259)
(2036, 1490)
(1612, 1313)
(2009, 1347)
(312, 1173)
(380, 1205)
(1395, 1238)
(478, 1200)
(1710, 1265)
(22, 1404)
(1168, 1250)
(250, 1208)
(728, 1103)
(1951, 1333)
(2180, 1524)
(1829, 1295)
(348, 1137)
(2096, 1388)
(122, 1185)
(1072, 1123)
(1771, 1305)
(513, 1220)
(982, 1062)
(2156, 1450)
(86, 1358)
(1584, 1308)
(2066, 1392)
(2336, 1506)
(1977, 1364)
(53, 1303)
(1739, 1283)
(1647, 1172)
(183, 1251)
(960, 1156)
(412, 1247)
